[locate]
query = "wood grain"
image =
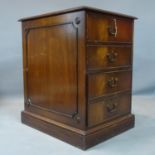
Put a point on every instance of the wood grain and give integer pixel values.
(99, 112)
(99, 84)
(108, 57)
(99, 24)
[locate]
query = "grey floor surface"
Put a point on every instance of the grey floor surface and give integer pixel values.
(18, 139)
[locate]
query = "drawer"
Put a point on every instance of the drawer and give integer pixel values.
(104, 83)
(99, 57)
(108, 109)
(109, 28)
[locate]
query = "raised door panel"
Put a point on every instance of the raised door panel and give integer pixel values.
(52, 64)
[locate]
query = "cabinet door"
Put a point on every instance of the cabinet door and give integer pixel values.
(52, 55)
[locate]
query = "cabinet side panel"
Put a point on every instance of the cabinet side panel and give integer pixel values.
(54, 67)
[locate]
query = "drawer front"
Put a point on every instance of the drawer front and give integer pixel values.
(108, 57)
(101, 84)
(109, 28)
(108, 109)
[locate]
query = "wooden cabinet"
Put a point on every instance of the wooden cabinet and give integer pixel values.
(77, 66)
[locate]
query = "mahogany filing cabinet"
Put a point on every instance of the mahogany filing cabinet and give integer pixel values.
(77, 66)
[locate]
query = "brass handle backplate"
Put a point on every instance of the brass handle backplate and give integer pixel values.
(111, 56)
(112, 107)
(113, 82)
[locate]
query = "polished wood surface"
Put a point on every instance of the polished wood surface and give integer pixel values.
(109, 108)
(54, 78)
(45, 81)
(76, 9)
(97, 135)
(104, 28)
(77, 67)
(102, 84)
(108, 57)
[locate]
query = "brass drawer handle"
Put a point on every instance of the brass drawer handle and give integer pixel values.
(113, 29)
(112, 107)
(113, 82)
(111, 56)
(28, 103)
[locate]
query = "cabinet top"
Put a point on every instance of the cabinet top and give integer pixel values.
(81, 8)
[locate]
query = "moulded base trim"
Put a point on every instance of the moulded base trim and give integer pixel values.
(76, 137)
